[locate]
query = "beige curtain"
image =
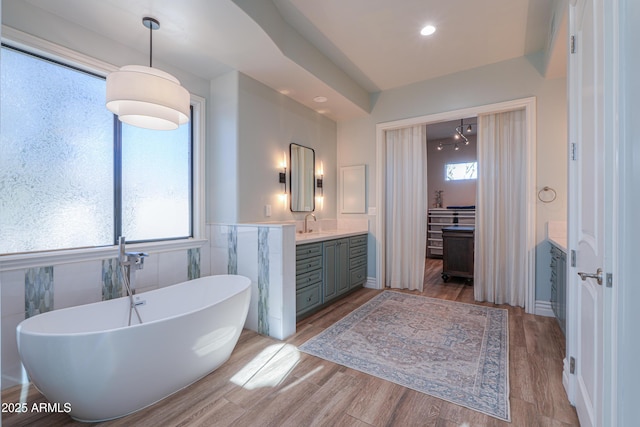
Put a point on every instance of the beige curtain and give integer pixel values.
(501, 267)
(406, 207)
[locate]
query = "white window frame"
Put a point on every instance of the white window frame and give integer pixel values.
(446, 175)
(59, 53)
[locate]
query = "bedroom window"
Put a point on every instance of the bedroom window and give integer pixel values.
(72, 175)
(461, 171)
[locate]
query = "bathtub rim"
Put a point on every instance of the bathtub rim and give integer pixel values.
(20, 330)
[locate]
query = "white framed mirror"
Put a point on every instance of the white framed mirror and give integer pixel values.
(353, 189)
(302, 178)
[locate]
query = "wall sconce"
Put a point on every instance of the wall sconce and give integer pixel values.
(282, 176)
(319, 180)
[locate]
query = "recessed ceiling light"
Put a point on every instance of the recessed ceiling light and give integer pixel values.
(320, 99)
(428, 30)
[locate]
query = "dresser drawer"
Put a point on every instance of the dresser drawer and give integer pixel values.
(358, 276)
(306, 279)
(357, 262)
(308, 251)
(308, 264)
(357, 251)
(358, 240)
(308, 298)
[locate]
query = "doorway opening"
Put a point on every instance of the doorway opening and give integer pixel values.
(529, 107)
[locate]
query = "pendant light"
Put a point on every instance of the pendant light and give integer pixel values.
(147, 97)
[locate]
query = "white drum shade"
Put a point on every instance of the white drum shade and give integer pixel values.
(147, 97)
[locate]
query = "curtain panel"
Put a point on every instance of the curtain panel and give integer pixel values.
(501, 267)
(406, 207)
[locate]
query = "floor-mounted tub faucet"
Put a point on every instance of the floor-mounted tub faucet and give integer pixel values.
(306, 217)
(129, 262)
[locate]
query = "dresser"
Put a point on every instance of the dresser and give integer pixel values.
(439, 218)
(457, 252)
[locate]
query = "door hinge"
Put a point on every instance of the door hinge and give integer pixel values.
(609, 280)
(574, 151)
(572, 365)
(573, 258)
(572, 44)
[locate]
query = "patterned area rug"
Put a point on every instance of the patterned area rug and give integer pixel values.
(454, 351)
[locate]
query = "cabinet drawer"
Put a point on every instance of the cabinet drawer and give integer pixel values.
(357, 262)
(308, 298)
(308, 251)
(358, 276)
(306, 279)
(358, 240)
(357, 251)
(308, 264)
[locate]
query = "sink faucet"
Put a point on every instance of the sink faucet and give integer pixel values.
(306, 217)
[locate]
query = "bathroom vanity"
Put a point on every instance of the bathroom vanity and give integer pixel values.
(559, 284)
(557, 237)
(328, 266)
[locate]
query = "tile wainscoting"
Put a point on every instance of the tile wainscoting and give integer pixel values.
(264, 253)
(255, 251)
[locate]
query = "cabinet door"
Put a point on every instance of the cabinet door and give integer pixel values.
(330, 266)
(342, 260)
(336, 268)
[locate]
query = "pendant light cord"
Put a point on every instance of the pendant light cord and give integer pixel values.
(150, 45)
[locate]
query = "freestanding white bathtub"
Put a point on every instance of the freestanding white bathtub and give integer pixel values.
(86, 357)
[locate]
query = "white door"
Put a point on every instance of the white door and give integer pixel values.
(589, 221)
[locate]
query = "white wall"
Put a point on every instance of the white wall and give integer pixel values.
(508, 80)
(268, 123)
(222, 150)
(455, 193)
(250, 127)
(627, 286)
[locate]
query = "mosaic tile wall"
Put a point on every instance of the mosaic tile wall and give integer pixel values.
(259, 253)
(263, 280)
(193, 264)
(232, 266)
(111, 283)
(38, 290)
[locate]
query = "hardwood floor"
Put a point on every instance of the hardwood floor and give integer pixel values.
(295, 389)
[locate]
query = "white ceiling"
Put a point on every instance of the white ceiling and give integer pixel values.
(342, 49)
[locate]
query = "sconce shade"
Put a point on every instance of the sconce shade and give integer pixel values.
(147, 97)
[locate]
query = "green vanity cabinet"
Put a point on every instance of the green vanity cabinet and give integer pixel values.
(357, 260)
(308, 277)
(336, 268)
(559, 285)
(327, 270)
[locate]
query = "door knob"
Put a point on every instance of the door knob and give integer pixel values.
(597, 276)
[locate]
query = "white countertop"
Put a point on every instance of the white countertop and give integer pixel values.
(319, 236)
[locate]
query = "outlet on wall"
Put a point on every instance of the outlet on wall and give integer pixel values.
(267, 210)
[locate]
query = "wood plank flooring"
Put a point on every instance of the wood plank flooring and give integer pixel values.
(295, 389)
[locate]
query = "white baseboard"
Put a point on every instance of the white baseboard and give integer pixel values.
(543, 308)
(371, 283)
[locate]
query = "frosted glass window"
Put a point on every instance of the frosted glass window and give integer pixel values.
(56, 157)
(156, 187)
(460, 171)
(73, 176)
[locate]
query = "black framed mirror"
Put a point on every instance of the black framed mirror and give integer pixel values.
(302, 178)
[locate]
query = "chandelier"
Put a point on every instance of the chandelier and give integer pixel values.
(147, 97)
